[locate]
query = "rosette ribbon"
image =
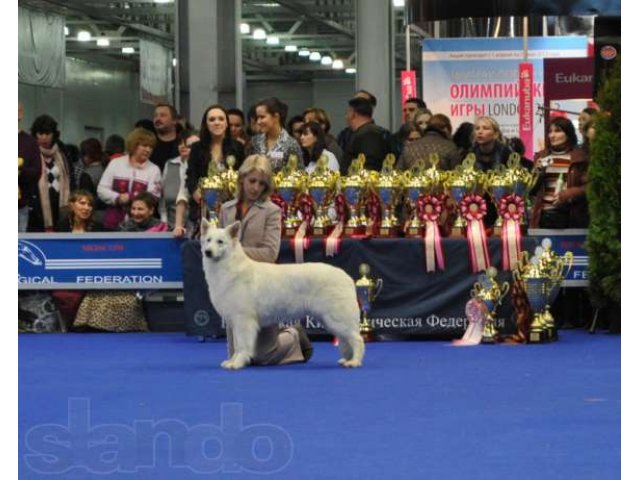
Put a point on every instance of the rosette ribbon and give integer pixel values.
(374, 212)
(473, 209)
(332, 242)
(511, 209)
(429, 208)
(277, 199)
(300, 241)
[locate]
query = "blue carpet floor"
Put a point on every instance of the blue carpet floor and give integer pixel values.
(157, 406)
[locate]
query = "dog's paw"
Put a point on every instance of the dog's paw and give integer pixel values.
(233, 364)
(342, 361)
(351, 364)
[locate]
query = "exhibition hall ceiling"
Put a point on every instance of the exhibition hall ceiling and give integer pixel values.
(324, 26)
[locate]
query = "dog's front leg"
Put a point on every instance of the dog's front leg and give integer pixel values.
(245, 333)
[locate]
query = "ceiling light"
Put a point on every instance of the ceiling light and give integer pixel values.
(103, 42)
(162, 1)
(128, 50)
(66, 31)
(304, 52)
(315, 56)
(259, 34)
(350, 70)
(326, 60)
(174, 62)
(273, 40)
(245, 28)
(291, 48)
(83, 36)
(337, 65)
(398, 3)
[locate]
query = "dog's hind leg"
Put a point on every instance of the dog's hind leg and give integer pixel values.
(345, 350)
(356, 344)
(245, 333)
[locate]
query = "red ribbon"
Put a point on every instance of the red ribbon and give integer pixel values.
(300, 241)
(429, 208)
(473, 209)
(333, 241)
(277, 199)
(511, 208)
(374, 213)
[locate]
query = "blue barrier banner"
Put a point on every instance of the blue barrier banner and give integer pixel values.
(99, 261)
(568, 240)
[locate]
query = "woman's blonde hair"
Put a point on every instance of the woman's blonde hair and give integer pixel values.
(140, 136)
(256, 163)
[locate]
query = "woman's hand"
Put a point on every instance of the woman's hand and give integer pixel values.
(123, 199)
(179, 232)
(197, 195)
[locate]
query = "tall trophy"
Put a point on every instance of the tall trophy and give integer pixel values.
(288, 182)
(353, 188)
(367, 290)
(230, 176)
(213, 188)
(499, 184)
(462, 181)
(490, 293)
(521, 179)
(389, 187)
(415, 181)
(541, 278)
(321, 186)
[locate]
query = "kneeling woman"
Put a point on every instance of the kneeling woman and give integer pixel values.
(260, 237)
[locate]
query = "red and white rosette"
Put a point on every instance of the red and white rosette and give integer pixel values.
(473, 209)
(429, 208)
(374, 213)
(300, 240)
(511, 209)
(476, 312)
(277, 199)
(332, 242)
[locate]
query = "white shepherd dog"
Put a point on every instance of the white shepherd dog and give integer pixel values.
(250, 294)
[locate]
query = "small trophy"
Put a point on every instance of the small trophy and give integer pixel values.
(213, 188)
(367, 290)
(521, 179)
(491, 293)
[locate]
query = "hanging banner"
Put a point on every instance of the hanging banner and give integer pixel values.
(465, 78)
(155, 73)
(408, 85)
(525, 106)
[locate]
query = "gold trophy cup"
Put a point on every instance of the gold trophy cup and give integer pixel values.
(491, 293)
(213, 188)
(321, 186)
(389, 186)
(367, 290)
(353, 187)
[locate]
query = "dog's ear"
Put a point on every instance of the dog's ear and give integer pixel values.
(204, 226)
(234, 229)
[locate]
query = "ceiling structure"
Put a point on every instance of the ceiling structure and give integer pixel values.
(325, 26)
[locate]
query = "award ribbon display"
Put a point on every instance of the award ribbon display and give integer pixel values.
(429, 208)
(473, 209)
(332, 242)
(300, 242)
(511, 209)
(374, 212)
(277, 199)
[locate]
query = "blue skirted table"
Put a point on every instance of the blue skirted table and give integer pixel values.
(412, 302)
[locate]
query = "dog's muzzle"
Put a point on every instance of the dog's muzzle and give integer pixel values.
(209, 254)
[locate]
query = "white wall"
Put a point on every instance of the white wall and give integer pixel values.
(96, 101)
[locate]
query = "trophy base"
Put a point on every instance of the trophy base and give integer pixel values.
(457, 232)
(322, 231)
(414, 232)
(367, 335)
(538, 336)
(352, 231)
(289, 232)
(388, 232)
